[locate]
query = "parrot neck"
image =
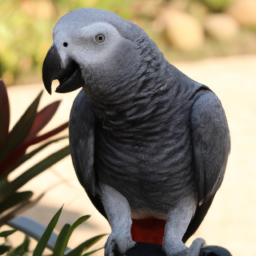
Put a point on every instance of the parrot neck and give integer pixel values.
(140, 102)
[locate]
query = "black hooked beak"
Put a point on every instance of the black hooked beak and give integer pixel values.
(70, 77)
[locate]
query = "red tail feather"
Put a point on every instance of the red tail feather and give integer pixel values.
(149, 230)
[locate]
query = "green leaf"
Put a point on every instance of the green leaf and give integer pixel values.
(72, 228)
(84, 246)
(4, 249)
(7, 233)
(21, 128)
(91, 252)
(14, 199)
(18, 210)
(3, 182)
(4, 115)
(34, 171)
(21, 249)
(46, 235)
(32, 153)
(60, 240)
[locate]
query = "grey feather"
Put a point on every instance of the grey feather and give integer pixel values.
(81, 137)
(211, 144)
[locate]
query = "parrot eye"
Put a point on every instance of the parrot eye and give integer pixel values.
(100, 38)
(65, 44)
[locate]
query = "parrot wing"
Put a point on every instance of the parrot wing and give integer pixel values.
(81, 139)
(211, 147)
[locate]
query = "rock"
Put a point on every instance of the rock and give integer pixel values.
(244, 11)
(43, 10)
(221, 26)
(180, 5)
(148, 8)
(198, 10)
(183, 30)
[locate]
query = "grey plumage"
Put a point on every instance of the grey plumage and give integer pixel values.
(139, 127)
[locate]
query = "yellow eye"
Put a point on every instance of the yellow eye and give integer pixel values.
(100, 38)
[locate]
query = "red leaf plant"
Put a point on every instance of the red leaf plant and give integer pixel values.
(39, 121)
(13, 147)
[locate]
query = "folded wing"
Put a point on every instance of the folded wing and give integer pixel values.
(211, 147)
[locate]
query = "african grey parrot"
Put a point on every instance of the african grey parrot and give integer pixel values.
(146, 141)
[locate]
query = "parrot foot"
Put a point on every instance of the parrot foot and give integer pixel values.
(193, 250)
(119, 216)
(118, 244)
(195, 247)
(177, 223)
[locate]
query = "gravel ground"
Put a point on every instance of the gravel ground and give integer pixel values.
(231, 221)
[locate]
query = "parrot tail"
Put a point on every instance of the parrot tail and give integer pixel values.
(149, 230)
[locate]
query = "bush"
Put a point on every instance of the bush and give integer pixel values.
(13, 147)
(60, 247)
(217, 5)
(26, 29)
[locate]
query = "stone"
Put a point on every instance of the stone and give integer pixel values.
(244, 11)
(221, 26)
(42, 9)
(183, 30)
(147, 8)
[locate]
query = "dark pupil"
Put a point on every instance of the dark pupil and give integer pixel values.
(65, 44)
(100, 38)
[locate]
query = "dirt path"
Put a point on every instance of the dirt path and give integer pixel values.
(231, 221)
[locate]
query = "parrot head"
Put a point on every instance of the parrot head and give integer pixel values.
(92, 48)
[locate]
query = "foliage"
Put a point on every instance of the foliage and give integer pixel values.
(13, 147)
(24, 36)
(60, 247)
(217, 5)
(25, 31)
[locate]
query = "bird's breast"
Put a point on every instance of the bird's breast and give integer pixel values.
(147, 154)
(151, 173)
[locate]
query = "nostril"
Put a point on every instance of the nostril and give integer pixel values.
(65, 44)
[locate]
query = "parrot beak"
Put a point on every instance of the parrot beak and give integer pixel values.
(70, 77)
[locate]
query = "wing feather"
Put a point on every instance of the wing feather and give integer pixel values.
(211, 146)
(81, 139)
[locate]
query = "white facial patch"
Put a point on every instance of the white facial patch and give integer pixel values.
(93, 52)
(82, 46)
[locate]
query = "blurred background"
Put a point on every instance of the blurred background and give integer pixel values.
(212, 41)
(183, 29)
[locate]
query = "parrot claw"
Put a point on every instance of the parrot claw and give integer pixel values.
(193, 250)
(195, 247)
(110, 247)
(117, 245)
